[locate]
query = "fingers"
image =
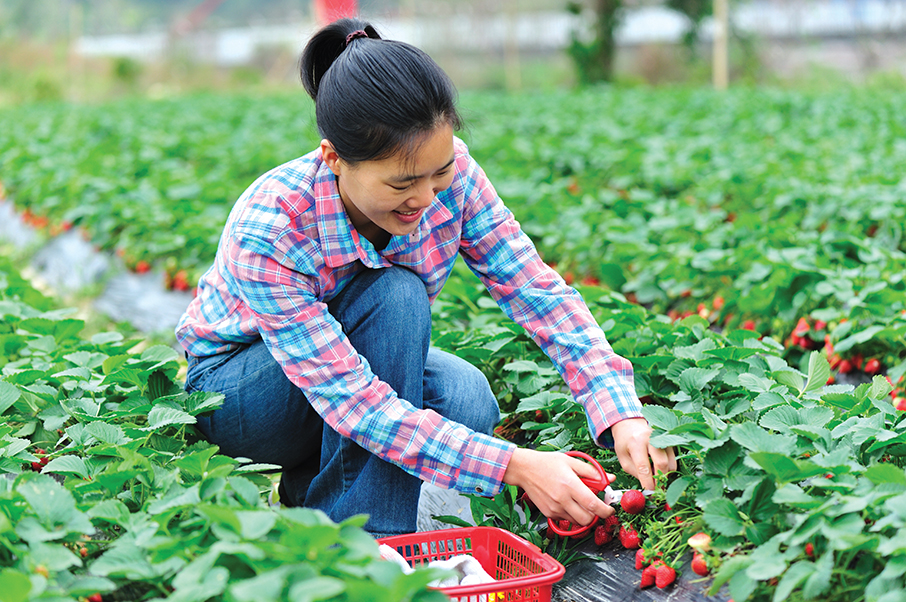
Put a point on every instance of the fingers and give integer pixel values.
(664, 459)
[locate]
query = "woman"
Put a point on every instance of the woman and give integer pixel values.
(315, 323)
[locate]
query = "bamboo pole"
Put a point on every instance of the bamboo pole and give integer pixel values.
(720, 60)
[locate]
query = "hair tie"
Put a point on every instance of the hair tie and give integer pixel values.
(359, 33)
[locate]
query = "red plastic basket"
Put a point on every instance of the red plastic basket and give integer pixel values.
(523, 572)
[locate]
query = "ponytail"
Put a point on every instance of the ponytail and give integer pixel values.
(374, 98)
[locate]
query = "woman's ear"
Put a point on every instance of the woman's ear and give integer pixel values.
(330, 156)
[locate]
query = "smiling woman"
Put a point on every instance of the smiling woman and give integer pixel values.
(315, 319)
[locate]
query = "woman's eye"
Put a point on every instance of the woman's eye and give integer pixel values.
(401, 188)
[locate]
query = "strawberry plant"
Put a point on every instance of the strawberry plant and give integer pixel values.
(107, 491)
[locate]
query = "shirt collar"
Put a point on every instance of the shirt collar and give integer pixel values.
(340, 241)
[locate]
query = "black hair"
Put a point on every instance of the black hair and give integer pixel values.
(374, 98)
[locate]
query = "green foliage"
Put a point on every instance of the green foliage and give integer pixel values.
(106, 487)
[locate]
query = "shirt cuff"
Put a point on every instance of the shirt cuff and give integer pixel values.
(483, 465)
(604, 438)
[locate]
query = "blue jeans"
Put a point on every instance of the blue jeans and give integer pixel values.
(386, 316)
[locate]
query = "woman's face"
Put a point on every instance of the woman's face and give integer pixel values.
(390, 196)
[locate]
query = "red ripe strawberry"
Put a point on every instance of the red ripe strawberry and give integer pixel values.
(37, 466)
(629, 537)
(633, 501)
(96, 597)
(900, 403)
(872, 366)
(602, 535)
(142, 267)
(611, 523)
(563, 524)
(718, 303)
(83, 552)
(810, 550)
(802, 327)
(648, 576)
(664, 575)
(748, 325)
(820, 324)
(700, 565)
(181, 281)
(857, 361)
(640, 559)
(845, 366)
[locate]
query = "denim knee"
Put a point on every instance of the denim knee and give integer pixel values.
(393, 299)
(464, 396)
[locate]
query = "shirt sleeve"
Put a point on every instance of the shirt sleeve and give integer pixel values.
(554, 314)
(309, 344)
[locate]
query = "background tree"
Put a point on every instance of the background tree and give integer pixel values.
(593, 51)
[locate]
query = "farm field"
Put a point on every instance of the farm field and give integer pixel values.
(744, 250)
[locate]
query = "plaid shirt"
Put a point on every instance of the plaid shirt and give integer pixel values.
(288, 248)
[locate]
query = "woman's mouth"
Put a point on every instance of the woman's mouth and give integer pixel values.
(409, 217)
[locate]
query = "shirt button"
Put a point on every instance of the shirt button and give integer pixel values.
(479, 490)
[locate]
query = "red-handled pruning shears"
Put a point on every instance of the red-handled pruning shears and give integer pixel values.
(596, 485)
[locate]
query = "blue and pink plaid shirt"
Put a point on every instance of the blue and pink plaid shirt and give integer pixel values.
(288, 248)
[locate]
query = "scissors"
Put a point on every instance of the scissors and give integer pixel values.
(601, 483)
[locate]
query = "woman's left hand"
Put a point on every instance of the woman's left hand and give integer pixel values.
(637, 455)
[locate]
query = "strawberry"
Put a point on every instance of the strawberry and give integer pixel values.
(872, 366)
(142, 267)
(900, 403)
(83, 552)
(857, 361)
(563, 524)
(700, 565)
(648, 576)
(36, 466)
(633, 501)
(810, 550)
(700, 542)
(664, 575)
(611, 523)
(802, 327)
(640, 559)
(748, 325)
(820, 324)
(845, 366)
(718, 303)
(181, 281)
(629, 537)
(602, 535)
(42, 570)
(95, 597)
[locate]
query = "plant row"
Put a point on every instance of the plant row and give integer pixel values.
(108, 493)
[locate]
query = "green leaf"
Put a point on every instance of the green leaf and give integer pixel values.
(820, 581)
(790, 378)
(68, 463)
(791, 579)
(660, 417)
(785, 469)
(127, 561)
(818, 372)
(316, 588)
(9, 394)
(886, 473)
(14, 586)
(756, 439)
(730, 567)
(161, 416)
(693, 380)
(723, 516)
(159, 353)
(676, 489)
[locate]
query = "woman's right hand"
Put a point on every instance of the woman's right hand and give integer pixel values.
(552, 480)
